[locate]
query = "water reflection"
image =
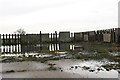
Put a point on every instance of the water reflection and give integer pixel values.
(88, 69)
(53, 47)
(37, 48)
(64, 46)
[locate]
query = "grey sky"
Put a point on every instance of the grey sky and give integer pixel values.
(57, 15)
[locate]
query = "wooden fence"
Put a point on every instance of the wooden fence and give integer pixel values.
(29, 42)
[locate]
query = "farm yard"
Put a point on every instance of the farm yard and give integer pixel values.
(93, 54)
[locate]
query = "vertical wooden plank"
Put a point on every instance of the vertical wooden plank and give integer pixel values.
(12, 43)
(82, 37)
(3, 43)
(40, 37)
(15, 44)
(6, 40)
(98, 36)
(111, 33)
(51, 37)
(9, 44)
(73, 35)
(114, 34)
(56, 40)
(26, 43)
(51, 41)
(101, 34)
(40, 41)
(56, 36)
(88, 36)
(72, 38)
(0, 43)
(18, 42)
(3, 39)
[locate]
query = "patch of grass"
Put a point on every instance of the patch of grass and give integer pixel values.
(99, 50)
(10, 71)
(10, 52)
(86, 68)
(6, 57)
(51, 67)
(21, 70)
(109, 67)
(96, 56)
(44, 51)
(63, 50)
(103, 51)
(91, 70)
(42, 60)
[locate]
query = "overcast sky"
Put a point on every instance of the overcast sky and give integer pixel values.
(57, 15)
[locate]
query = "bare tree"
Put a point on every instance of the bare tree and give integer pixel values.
(20, 31)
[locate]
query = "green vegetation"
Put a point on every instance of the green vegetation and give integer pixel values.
(96, 56)
(104, 50)
(21, 70)
(10, 53)
(10, 71)
(109, 67)
(51, 67)
(42, 60)
(86, 68)
(89, 68)
(45, 51)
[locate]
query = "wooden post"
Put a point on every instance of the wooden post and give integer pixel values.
(3, 43)
(0, 43)
(55, 36)
(15, 43)
(73, 37)
(114, 34)
(9, 44)
(6, 40)
(56, 39)
(27, 42)
(98, 36)
(51, 41)
(101, 33)
(40, 41)
(82, 37)
(110, 32)
(18, 42)
(51, 38)
(88, 37)
(12, 43)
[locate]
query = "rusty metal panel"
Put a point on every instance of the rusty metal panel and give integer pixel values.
(64, 36)
(85, 37)
(107, 37)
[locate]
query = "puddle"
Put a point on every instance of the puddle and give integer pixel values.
(76, 67)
